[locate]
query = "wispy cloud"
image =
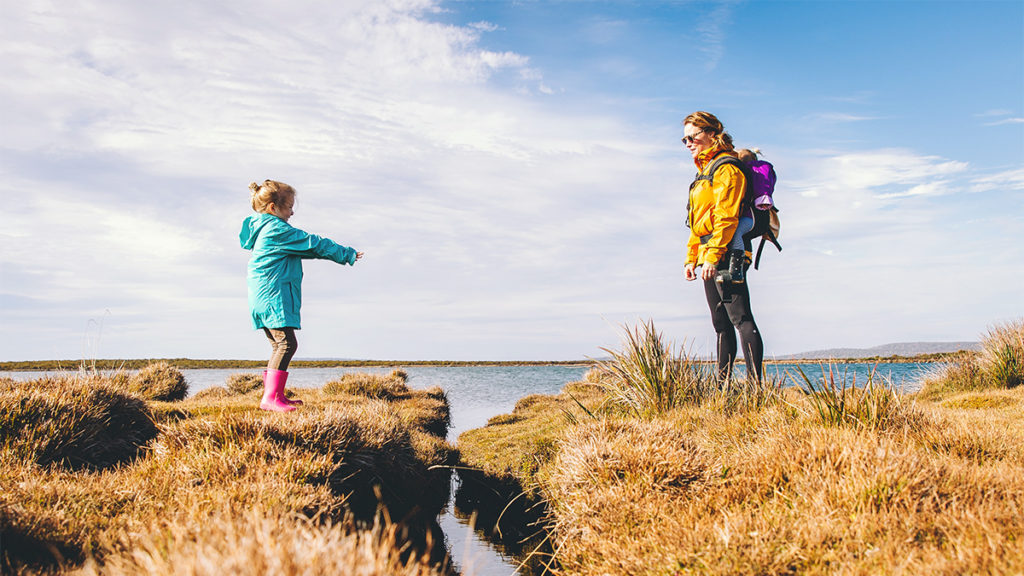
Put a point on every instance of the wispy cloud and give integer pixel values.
(840, 117)
(712, 32)
(463, 196)
(1005, 121)
(1002, 181)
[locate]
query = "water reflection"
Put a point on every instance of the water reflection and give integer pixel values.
(506, 518)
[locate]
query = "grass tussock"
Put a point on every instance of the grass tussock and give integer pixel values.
(77, 421)
(159, 381)
(262, 541)
(999, 364)
(648, 377)
(244, 382)
(511, 449)
(206, 465)
(1002, 354)
(777, 491)
(387, 387)
(876, 405)
(836, 477)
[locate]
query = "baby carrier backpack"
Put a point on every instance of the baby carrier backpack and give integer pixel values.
(758, 200)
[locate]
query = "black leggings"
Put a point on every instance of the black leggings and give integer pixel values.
(283, 345)
(730, 312)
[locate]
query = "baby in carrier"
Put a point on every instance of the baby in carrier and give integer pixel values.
(763, 184)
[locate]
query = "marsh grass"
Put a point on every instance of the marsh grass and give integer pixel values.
(159, 381)
(1002, 354)
(205, 483)
(999, 364)
(244, 382)
(838, 401)
(648, 377)
(742, 394)
(837, 477)
(263, 541)
(386, 387)
(76, 421)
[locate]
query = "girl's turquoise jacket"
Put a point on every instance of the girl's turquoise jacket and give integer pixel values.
(275, 268)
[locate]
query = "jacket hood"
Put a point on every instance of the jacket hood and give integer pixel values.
(251, 228)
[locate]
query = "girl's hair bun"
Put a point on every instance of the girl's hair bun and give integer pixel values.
(270, 192)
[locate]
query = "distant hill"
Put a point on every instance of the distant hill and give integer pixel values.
(885, 350)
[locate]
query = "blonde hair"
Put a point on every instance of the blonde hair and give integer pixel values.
(270, 192)
(707, 122)
(747, 155)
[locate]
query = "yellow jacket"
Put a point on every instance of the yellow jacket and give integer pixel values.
(714, 209)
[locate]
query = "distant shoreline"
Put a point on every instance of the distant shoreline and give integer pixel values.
(198, 364)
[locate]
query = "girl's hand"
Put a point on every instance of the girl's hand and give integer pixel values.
(691, 275)
(359, 255)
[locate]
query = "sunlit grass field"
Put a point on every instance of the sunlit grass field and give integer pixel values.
(647, 466)
(101, 477)
(650, 467)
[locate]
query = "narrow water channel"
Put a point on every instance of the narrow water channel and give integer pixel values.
(476, 394)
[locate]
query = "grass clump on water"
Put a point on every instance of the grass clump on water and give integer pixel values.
(207, 483)
(998, 365)
(386, 387)
(244, 382)
(831, 477)
(159, 381)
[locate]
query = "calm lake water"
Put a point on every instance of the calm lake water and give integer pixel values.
(477, 393)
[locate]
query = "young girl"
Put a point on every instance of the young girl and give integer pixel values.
(275, 279)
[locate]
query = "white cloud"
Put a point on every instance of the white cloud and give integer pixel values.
(469, 201)
(1005, 121)
(496, 223)
(840, 117)
(711, 30)
(1003, 181)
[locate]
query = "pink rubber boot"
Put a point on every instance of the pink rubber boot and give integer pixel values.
(273, 389)
(284, 397)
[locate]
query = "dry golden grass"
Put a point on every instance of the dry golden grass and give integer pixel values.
(76, 422)
(511, 448)
(159, 381)
(261, 542)
(999, 364)
(220, 482)
(370, 385)
(244, 382)
(924, 488)
(776, 493)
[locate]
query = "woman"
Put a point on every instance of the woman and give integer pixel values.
(713, 216)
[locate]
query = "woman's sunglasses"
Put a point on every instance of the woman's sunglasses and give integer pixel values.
(691, 137)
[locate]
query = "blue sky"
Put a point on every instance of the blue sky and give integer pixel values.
(512, 170)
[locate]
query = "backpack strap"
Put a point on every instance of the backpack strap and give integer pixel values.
(720, 160)
(768, 236)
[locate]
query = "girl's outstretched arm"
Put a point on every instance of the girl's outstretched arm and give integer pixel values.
(292, 240)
